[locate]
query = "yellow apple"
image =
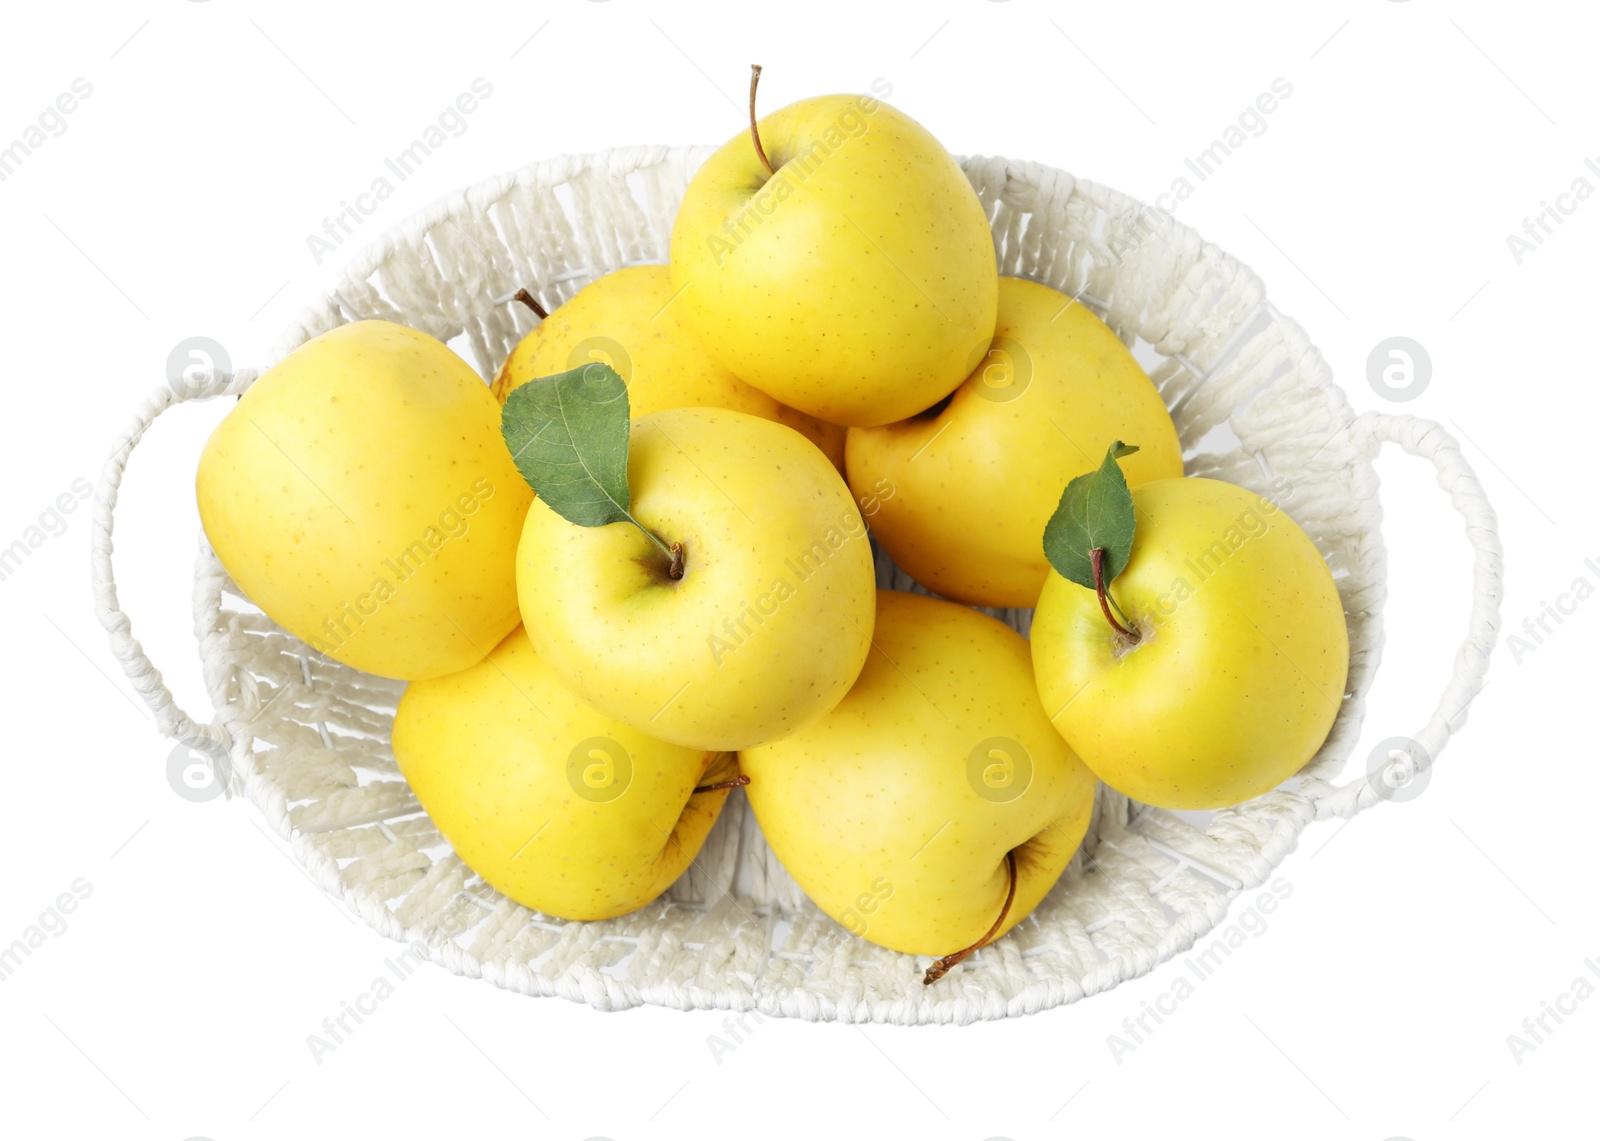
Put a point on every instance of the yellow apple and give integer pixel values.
(629, 319)
(361, 494)
(554, 804)
(1240, 666)
(855, 281)
(896, 812)
(771, 620)
(965, 489)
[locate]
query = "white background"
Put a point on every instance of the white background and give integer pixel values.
(177, 203)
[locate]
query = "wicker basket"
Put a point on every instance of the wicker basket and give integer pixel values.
(307, 739)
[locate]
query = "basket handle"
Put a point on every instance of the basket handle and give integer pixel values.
(1428, 440)
(171, 719)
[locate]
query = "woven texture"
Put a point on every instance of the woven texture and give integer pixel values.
(1254, 403)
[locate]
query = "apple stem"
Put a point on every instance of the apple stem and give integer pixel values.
(755, 136)
(938, 970)
(737, 782)
(1097, 558)
(527, 299)
(674, 553)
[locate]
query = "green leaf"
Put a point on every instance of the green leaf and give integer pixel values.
(1096, 510)
(568, 435)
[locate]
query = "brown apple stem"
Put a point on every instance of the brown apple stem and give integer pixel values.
(755, 136)
(737, 782)
(527, 299)
(674, 553)
(937, 971)
(1097, 561)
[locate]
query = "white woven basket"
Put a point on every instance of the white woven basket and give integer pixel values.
(307, 739)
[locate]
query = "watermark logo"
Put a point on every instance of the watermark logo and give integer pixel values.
(999, 769)
(51, 924)
(599, 769)
(883, 490)
(1251, 523)
(857, 917)
(1538, 628)
(51, 524)
(1251, 124)
(1131, 231)
(795, 170)
(450, 123)
(195, 365)
(1543, 224)
(337, 1028)
(737, 1032)
(1537, 1028)
(198, 768)
(743, 622)
(1399, 769)
(452, 523)
(1399, 369)
(1003, 371)
(50, 124)
(1252, 924)
(603, 350)
(467, 908)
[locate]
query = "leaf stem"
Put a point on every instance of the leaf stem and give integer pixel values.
(938, 969)
(1097, 558)
(755, 136)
